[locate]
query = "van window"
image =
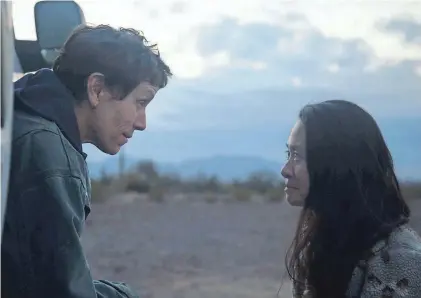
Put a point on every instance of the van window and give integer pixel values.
(23, 19)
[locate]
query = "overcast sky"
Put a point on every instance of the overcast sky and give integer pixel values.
(252, 64)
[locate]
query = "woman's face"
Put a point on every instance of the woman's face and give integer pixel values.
(297, 180)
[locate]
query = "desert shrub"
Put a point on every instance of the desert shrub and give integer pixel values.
(157, 194)
(168, 182)
(105, 178)
(98, 191)
(147, 170)
(210, 197)
(211, 184)
(137, 184)
(117, 186)
(411, 190)
(241, 194)
(200, 183)
(261, 181)
(275, 194)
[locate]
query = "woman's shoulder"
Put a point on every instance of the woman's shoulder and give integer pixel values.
(393, 269)
(399, 256)
(404, 237)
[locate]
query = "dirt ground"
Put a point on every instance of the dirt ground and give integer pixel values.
(190, 250)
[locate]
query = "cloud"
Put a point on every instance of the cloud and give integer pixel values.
(318, 60)
(303, 52)
(258, 75)
(407, 27)
(178, 7)
(243, 42)
(244, 71)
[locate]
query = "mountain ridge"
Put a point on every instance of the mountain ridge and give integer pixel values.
(225, 167)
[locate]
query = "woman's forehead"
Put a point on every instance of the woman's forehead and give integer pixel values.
(297, 136)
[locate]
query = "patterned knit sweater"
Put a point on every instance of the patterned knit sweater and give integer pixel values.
(393, 271)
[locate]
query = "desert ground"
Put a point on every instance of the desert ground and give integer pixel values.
(189, 250)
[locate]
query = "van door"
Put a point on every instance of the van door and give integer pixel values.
(7, 53)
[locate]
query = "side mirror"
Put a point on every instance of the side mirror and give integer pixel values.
(54, 22)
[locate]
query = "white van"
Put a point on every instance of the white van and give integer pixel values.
(23, 56)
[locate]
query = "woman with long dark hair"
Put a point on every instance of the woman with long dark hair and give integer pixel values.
(352, 237)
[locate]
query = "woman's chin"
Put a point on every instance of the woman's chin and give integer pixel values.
(294, 201)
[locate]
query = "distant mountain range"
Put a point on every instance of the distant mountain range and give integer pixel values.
(224, 167)
(231, 144)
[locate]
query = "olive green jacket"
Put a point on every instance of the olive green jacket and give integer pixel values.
(48, 202)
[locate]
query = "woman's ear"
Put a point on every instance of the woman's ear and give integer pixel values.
(95, 86)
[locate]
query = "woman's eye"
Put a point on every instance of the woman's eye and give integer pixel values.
(294, 155)
(143, 103)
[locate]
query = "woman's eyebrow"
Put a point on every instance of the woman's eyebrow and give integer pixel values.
(292, 146)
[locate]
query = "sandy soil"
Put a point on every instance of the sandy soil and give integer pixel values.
(190, 250)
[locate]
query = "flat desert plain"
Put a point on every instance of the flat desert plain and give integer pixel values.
(195, 249)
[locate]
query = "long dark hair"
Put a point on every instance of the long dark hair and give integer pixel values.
(354, 198)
